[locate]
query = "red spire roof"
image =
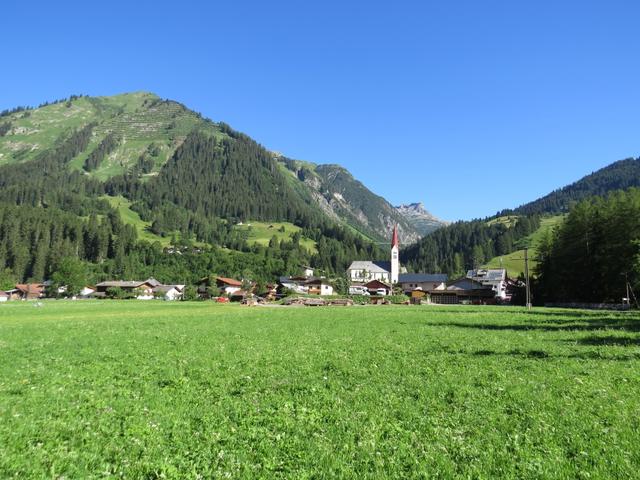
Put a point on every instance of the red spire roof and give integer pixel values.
(394, 239)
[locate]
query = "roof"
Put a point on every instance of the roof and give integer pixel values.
(377, 284)
(487, 274)
(422, 277)
(153, 282)
(229, 281)
(466, 284)
(167, 288)
(121, 283)
(394, 237)
(30, 288)
(371, 267)
(317, 280)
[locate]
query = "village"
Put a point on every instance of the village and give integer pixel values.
(369, 281)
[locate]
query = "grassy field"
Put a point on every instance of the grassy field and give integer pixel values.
(198, 390)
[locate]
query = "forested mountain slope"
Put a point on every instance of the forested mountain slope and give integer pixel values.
(183, 176)
(469, 244)
(619, 175)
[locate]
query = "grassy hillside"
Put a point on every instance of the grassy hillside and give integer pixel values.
(262, 233)
(514, 262)
(196, 390)
(133, 218)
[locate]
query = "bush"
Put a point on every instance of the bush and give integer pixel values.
(397, 299)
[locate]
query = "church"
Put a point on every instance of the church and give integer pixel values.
(362, 271)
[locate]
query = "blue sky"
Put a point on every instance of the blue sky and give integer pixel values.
(470, 107)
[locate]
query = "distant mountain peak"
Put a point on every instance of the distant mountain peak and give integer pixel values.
(421, 219)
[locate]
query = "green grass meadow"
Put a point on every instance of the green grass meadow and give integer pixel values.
(154, 389)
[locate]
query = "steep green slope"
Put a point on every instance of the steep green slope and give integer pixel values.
(514, 261)
(619, 175)
(166, 172)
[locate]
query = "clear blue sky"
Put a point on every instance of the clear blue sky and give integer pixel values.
(468, 106)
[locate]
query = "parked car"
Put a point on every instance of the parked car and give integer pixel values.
(358, 290)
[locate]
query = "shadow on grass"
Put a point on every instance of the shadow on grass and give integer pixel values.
(542, 355)
(609, 341)
(588, 323)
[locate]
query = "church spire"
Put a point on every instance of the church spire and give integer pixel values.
(395, 253)
(394, 239)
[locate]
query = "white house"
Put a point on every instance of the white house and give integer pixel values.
(169, 292)
(3, 296)
(362, 271)
(496, 278)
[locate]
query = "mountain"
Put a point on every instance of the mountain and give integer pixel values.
(344, 198)
(140, 131)
(120, 178)
(619, 175)
(421, 219)
(469, 244)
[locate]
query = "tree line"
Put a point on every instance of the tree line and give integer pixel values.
(593, 253)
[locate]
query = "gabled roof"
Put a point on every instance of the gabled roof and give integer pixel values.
(488, 274)
(229, 281)
(377, 284)
(371, 267)
(466, 284)
(167, 288)
(422, 277)
(122, 284)
(30, 288)
(153, 282)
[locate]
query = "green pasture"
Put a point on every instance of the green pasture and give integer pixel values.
(514, 261)
(262, 232)
(154, 389)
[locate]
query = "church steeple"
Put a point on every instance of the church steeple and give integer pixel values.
(395, 254)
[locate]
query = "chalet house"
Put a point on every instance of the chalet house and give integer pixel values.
(319, 286)
(422, 281)
(226, 285)
(3, 296)
(296, 284)
(496, 278)
(304, 285)
(463, 291)
(144, 289)
(27, 291)
(169, 292)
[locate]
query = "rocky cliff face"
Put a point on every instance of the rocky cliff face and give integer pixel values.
(420, 218)
(343, 197)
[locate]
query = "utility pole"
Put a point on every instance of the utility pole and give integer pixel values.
(526, 274)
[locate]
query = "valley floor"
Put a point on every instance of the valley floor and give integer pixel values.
(199, 390)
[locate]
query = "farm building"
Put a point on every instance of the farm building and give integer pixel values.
(422, 281)
(143, 290)
(27, 291)
(463, 291)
